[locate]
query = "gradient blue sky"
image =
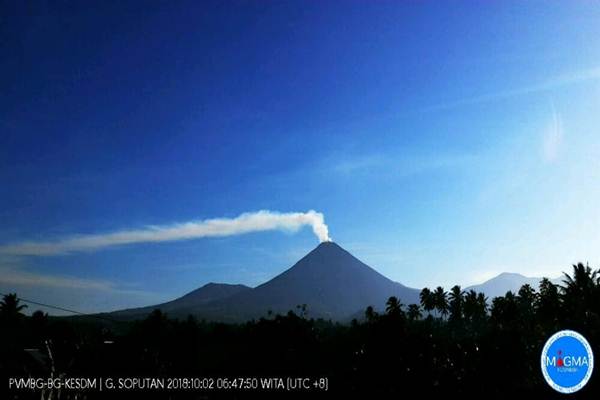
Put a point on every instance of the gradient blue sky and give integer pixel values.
(444, 143)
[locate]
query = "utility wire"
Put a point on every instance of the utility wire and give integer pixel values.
(64, 309)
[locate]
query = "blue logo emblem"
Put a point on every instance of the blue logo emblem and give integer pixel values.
(567, 361)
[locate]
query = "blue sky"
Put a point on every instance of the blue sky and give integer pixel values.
(443, 143)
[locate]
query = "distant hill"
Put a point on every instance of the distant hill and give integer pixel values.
(499, 285)
(189, 303)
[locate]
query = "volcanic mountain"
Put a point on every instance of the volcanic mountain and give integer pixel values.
(331, 282)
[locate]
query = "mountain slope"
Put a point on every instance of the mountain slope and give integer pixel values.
(329, 280)
(189, 303)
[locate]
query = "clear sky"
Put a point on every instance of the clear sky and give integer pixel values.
(443, 143)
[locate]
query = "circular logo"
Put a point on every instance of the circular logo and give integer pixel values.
(567, 361)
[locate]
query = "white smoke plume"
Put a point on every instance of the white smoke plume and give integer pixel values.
(263, 220)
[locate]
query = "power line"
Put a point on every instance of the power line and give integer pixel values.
(64, 309)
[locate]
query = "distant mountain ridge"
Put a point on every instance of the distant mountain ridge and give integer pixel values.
(507, 281)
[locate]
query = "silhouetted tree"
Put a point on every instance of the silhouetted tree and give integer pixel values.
(582, 282)
(10, 307)
(548, 303)
(440, 300)
(470, 305)
(482, 306)
(474, 306)
(527, 298)
(455, 304)
(393, 306)
(414, 312)
(504, 310)
(579, 292)
(427, 300)
(370, 314)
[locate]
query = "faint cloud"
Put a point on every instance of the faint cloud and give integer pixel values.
(361, 163)
(62, 292)
(553, 83)
(21, 278)
(396, 165)
(12, 276)
(553, 138)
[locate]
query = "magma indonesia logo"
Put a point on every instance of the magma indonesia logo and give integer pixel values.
(567, 361)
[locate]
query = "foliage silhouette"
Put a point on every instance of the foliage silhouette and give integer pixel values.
(10, 307)
(414, 312)
(476, 351)
(440, 300)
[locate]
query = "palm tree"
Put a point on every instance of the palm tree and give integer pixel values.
(393, 306)
(427, 300)
(579, 292)
(10, 307)
(527, 298)
(548, 302)
(441, 301)
(456, 303)
(370, 314)
(414, 312)
(474, 306)
(582, 282)
(470, 305)
(482, 306)
(505, 309)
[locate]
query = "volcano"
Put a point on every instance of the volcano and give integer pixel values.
(331, 282)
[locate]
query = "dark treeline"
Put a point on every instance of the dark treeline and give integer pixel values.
(452, 343)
